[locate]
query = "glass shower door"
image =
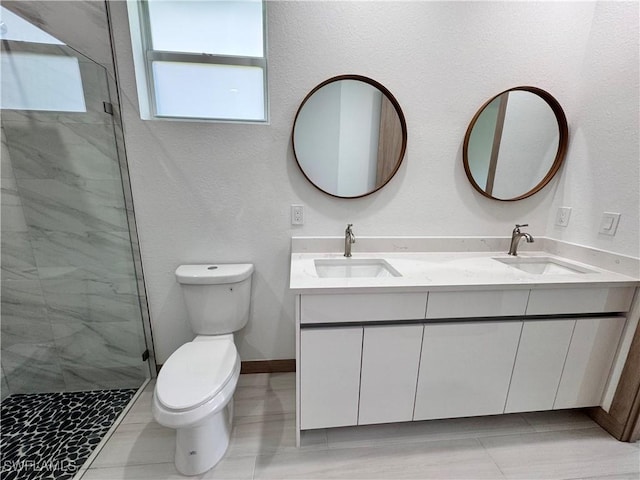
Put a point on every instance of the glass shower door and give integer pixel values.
(73, 316)
(71, 312)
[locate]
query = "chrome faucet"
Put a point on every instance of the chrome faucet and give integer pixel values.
(349, 239)
(516, 235)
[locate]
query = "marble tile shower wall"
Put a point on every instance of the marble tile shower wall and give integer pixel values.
(71, 317)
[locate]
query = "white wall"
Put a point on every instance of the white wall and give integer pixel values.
(602, 171)
(209, 192)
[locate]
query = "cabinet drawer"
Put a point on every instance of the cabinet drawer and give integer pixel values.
(363, 307)
(490, 303)
(549, 301)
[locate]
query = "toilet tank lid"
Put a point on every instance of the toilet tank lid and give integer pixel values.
(214, 273)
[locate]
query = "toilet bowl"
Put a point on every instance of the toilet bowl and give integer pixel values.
(194, 395)
(194, 389)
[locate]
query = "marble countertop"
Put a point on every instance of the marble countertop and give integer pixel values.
(459, 270)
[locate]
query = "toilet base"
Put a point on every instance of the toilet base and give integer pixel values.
(200, 447)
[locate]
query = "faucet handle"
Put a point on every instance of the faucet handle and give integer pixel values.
(523, 225)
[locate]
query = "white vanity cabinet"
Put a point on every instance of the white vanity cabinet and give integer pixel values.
(465, 368)
(366, 358)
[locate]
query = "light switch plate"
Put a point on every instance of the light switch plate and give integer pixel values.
(609, 223)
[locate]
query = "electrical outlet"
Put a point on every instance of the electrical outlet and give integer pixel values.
(297, 215)
(609, 223)
(562, 216)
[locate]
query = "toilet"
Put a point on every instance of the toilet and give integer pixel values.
(194, 389)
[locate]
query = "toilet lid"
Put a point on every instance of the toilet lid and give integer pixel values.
(194, 373)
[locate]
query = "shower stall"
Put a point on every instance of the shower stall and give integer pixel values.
(75, 336)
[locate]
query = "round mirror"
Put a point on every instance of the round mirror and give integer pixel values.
(515, 144)
(349, 136)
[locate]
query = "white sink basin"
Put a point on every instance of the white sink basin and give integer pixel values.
(354, 268)
(544, 266)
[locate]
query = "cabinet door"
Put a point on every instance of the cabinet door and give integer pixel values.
(465, 368)
(541, 355)
(591, 353)
(390, 358)
(329, 376)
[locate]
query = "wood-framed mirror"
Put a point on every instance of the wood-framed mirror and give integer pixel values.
(349, 136)
(515, 144)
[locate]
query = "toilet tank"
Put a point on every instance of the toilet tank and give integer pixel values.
(217, 296)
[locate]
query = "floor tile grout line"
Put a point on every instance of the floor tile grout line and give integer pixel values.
(542, 429)
(418, 441)
(253, 470)
(486, 450)
(526, 420)
(604, 477)
(537, 432)
(366, 443)
(345, 450)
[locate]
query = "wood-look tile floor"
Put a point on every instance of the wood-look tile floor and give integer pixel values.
(545, 445)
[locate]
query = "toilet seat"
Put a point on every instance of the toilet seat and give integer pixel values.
(195, 373)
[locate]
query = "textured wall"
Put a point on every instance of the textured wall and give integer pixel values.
(207, 192)
(602, 172)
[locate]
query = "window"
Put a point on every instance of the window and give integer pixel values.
(200, 59)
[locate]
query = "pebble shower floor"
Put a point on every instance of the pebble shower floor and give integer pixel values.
(51, 435)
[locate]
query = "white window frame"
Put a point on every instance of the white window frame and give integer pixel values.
(144, 56)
